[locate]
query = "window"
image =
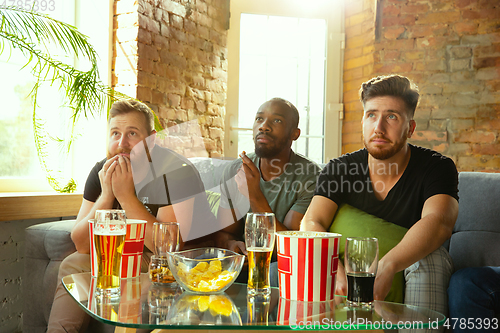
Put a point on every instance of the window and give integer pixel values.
(293, 50)
(20, 169)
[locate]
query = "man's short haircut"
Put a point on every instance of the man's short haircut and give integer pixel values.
(391, 85)
(132, 105)
(294, 113)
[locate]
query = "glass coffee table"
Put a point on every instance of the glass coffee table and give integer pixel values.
(166, 307)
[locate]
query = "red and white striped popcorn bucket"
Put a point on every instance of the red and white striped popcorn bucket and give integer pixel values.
(132, 250)
(307, 265)
(293, 312)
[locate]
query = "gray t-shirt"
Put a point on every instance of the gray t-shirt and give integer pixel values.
(292, 190)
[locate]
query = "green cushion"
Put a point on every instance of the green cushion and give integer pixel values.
(352, 222)
(213, 199)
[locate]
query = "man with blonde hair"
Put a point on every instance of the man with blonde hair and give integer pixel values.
(149, 182)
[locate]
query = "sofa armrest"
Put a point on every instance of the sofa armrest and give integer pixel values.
(46, 245)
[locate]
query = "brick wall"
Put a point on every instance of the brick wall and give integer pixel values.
(451, 50)
(172, 54)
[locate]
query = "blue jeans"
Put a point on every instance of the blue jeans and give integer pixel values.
(474, 292)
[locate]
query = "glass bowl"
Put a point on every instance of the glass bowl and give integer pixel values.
(196, 309)
(207, 270)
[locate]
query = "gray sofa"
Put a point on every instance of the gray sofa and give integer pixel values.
(475, 240)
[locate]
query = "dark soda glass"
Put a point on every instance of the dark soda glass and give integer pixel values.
(360, 287)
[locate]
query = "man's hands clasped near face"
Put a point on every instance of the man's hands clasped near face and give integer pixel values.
(125, 132)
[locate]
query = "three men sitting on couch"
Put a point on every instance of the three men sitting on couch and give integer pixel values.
(412, 188)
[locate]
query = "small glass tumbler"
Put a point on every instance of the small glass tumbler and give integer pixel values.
(165, 239)
(361, 262)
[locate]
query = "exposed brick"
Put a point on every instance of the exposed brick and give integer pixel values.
(216, 133)
(413, 55)
(457, 125)
(201, 106)
(143, 64)
(460, 87)
(407, 20)
(415, 9)
(488, 124)
(486, 149)
(158, 97)
(146, 79)
(144, 36)
(464, 3)
(438, 17)
(476, 137)
(460, 64)
(391, 11)
(393, 68)
(144, 94)
(488, 74)
(395, 32)
(459, 52)
(446, 111)
(489, 26)
(484, 39)
(430, 136)
(190, 27)
(146, 8)
(201, 7)
(479, 163)
(173, 7)
(487, 51)
(486, 62)
(466, 27)
(430, 88)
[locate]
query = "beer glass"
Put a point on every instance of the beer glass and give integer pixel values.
(165, 239)
(259, 239)
(110, 228)
(361, 262)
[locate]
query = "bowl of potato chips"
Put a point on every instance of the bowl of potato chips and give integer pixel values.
(207, 270)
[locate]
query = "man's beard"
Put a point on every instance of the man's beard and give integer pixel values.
(383, 154)
(264, 151)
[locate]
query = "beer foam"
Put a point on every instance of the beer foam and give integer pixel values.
(308, 234)
(107, 232)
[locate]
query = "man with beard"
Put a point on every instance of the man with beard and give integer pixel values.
(413, 187)
(164, 186)
(274, 179)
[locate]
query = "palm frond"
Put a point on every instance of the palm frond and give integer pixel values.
(41, 29)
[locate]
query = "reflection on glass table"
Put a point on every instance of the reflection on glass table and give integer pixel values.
(152, 306)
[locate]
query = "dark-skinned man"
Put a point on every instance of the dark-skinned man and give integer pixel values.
(273, 179)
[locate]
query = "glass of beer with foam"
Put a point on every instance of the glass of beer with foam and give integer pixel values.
(260, 231)
(110, 228)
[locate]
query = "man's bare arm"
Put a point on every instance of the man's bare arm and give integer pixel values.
(319, 215)
(427, 235)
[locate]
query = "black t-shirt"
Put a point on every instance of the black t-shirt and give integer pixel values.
(171, 178)
(347, 180)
